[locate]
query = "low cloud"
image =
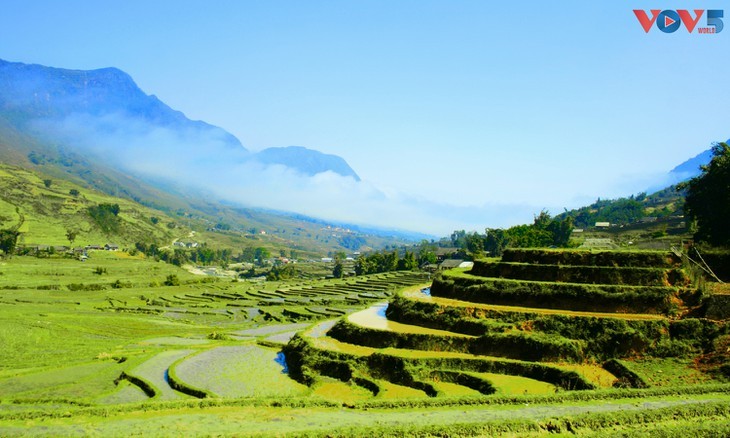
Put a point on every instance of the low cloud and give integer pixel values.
(202, 159)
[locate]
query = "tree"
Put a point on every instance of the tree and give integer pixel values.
(8, 240)
(248, 254)
(708, 198)
(282, 272)
(408, 262)
(71, 236)
(339, 270)
(496, 241)
(47, 183)
(73, 192)
(261, 254)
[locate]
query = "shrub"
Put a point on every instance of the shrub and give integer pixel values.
(216, 336)
(172, 280)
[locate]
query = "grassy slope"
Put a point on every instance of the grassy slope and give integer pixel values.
(47, 213)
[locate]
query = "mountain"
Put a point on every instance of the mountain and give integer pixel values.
(33, 92)
(662, 202)
(690, 168)
(307, 161)
(97, 132)
(77, 107)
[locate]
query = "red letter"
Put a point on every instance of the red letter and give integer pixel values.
(689, 23)
(646, 23)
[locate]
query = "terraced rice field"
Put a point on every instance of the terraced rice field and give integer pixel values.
(127, 361)
(238, 371)
(154, 371)
(514, 385)
(374, 317)
(498, 343)
(416, 293)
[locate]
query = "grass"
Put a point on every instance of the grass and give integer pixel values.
(668, 371)
(32, 272)
(514, 419)
(49, 212)
(517, 385)
(84, 381)
(594, 373)
(332, 389)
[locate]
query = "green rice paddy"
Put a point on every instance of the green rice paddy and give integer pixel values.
(101, 360)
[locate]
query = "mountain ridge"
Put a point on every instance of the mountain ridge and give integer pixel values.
(33, 92)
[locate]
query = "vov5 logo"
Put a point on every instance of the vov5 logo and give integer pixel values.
(668, 21)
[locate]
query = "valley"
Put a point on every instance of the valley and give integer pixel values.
(159, 278)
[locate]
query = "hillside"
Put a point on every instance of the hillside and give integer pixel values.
(74, 107)
(44, 210)
(624, 211)
(45, 214)
(97, 131)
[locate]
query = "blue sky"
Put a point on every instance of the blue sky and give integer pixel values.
(492, 110)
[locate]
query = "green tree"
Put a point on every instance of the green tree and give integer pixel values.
(708, 198)
(73, 192)
(248, 255)
(338, 271)
(47, 183)
(496, 241)
(71, 236)
(261, 254)
(281, 272)
(8, 240)
(408, 262)
(474, 244)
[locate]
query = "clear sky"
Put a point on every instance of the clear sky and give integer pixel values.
(501, 109)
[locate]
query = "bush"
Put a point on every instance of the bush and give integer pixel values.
(89, 287)
(118, 284)
(172, 280)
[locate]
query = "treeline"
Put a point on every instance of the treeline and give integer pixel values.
(204, 255)
(386, 261)
(201, 255)
(545, 231)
